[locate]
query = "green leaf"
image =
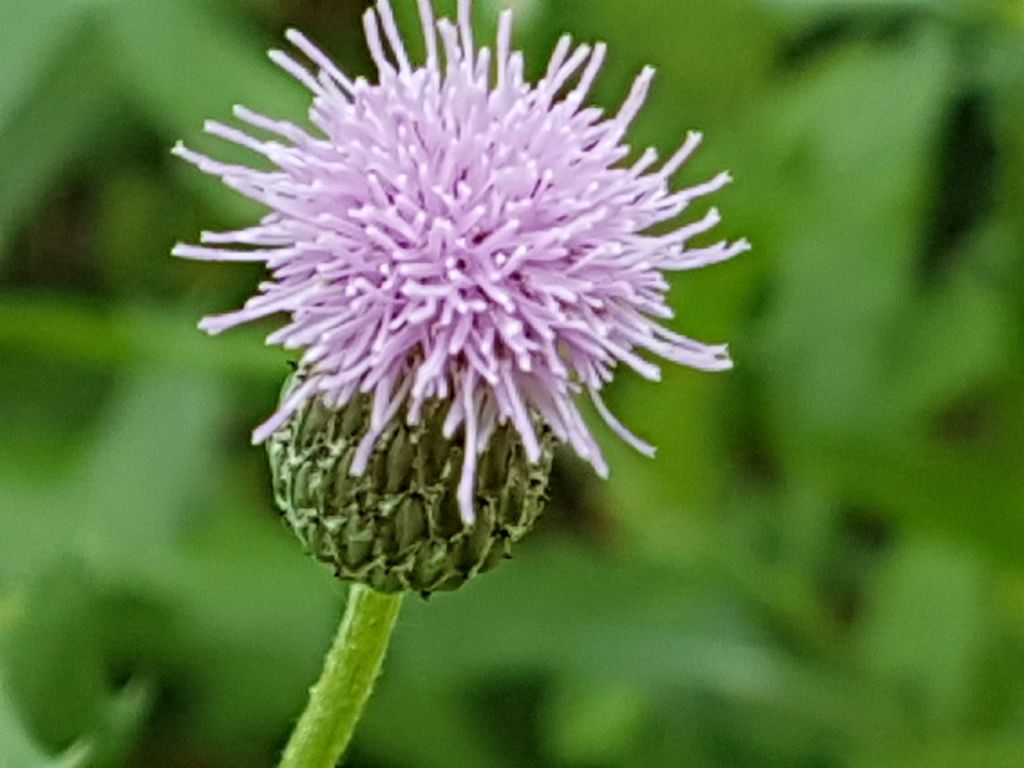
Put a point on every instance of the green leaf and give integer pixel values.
(441, 726)
(56, 659)
(19, 750)
(61, 120)
(927, 627)
(997, 750)
(34, 33)
(595, 723)
(698, 85)
(121, 724)
(184, 63)
(122, 508)
(234, 599)
(559, 611)
(178, 87)
(973, 496)
(252, 618)
(862, 158)
(78, 333)
(54, 663)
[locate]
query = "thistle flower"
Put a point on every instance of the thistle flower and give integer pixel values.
(454, 234)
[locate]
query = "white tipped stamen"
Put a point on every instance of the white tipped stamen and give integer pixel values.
(713, 185)
(376, 45)
(674, 163)
(281, 128)
(609, 418)
(296, 398)
(467, 482)
(567, 70)
(685, 233)
(589, 74)
(465, 17)
(242, 139)
(450, 42)
(314, 54)
(296, 70)
(455, 416)
(704, 257)
(199, 253)
(558, 56)
(504, 44)
(635, 100)
(426, 10)
(391, 31)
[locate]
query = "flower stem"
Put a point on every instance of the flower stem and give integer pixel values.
(350, 669)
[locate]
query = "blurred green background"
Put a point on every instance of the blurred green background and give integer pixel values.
(823, 567)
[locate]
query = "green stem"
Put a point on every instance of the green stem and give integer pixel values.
(351, 667)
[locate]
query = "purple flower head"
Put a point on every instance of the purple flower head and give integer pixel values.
(452, 231)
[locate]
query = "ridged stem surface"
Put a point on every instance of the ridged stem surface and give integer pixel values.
(350, 670)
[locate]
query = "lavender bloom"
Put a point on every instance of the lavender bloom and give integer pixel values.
(455, 232)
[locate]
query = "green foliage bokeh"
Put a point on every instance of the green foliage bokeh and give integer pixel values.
(823, 567)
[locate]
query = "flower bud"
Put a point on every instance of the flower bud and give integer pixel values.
(397, 525)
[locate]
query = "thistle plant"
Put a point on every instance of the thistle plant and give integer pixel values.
(460, 255)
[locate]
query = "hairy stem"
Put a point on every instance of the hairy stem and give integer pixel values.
(350, 669)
